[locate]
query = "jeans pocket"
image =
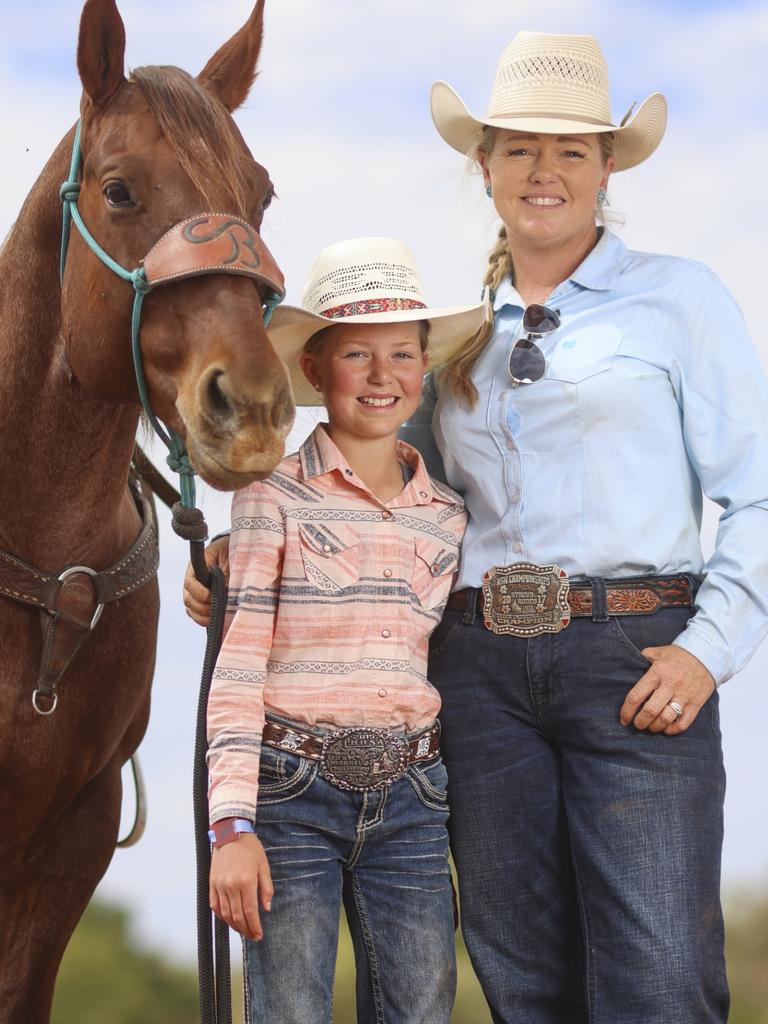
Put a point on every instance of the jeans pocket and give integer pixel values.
(283, 776)
(430, 781)
(441, 634)
(628, 644)
(636, 632)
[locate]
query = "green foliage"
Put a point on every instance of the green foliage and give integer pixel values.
(747, 956)
(106, 976)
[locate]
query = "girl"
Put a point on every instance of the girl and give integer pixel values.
(326, 783)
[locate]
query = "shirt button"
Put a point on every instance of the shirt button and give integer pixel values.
(387, 573)
(348, 472)
(514, 494)
(382, 692)
(386, 515)
(423, 494)
(517, 546)
(386, 634)
(326, 547)
(512, 446)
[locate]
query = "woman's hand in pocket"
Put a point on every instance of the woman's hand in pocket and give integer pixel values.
(674, 675)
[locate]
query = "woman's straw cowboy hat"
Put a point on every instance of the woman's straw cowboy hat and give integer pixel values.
(366, 281)
(552, 84)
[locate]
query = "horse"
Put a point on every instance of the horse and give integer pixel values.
(159, 148)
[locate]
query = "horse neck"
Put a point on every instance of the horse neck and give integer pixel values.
(64, 456)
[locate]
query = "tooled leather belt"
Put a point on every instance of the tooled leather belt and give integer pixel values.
(527, 600)
(357, 759)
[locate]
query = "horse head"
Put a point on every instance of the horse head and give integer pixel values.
(159, 147)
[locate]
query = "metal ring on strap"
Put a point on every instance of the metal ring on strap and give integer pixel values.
(73, 570)
(40, 710)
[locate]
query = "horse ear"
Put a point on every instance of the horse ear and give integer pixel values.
(100, 50)
(231, 71)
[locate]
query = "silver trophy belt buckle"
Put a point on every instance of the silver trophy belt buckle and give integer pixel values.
(363, 759)
(526, 600)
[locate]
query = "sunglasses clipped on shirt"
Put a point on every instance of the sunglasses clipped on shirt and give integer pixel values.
(527, 363)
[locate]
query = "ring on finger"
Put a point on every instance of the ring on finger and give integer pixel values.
(677, 708)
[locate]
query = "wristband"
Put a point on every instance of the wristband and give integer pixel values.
(228, 829)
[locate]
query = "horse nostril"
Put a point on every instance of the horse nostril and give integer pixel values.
(219, 403)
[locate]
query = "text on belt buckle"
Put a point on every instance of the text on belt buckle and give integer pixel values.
(524, 599)
(363, 759)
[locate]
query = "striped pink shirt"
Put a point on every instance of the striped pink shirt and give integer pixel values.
(332, 597)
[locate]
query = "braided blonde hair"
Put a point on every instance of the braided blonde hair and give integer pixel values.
(457, 372)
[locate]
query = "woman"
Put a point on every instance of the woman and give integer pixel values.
(579, 657)
(580, 727)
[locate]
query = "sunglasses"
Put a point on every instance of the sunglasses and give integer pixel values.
(526, 360)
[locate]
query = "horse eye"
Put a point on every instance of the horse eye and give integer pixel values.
(117, 194)
(267, 199)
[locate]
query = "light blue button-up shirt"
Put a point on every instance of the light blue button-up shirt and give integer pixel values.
(653, 392)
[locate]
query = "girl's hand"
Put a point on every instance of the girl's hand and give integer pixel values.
(240, 881)
(197, 598)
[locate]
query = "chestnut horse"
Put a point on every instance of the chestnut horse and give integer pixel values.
(158, 147)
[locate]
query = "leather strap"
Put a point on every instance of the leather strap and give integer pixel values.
(70, 603)
(212, 243)
(422, 746)
(630, 595)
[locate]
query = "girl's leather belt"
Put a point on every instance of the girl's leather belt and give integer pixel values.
(359, 758)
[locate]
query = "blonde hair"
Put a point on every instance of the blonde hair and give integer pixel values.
(457, 372)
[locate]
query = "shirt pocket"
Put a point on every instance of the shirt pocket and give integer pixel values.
(584, 353)
(330, 555)
(435, 563)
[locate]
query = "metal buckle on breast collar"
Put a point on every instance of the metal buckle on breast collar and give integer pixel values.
(363, 759)
(526, 600)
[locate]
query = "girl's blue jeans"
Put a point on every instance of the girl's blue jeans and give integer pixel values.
(384, 856)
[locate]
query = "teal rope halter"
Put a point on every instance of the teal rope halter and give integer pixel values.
(178, 457)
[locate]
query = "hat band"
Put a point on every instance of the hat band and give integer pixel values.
(364, 307)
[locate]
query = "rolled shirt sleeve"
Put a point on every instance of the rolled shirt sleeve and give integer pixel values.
(722, 390)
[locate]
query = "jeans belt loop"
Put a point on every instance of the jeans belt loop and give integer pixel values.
(470, 608)
(599, 599)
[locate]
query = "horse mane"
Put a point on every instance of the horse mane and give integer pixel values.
(199, 130)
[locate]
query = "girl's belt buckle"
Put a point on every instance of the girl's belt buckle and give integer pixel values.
(363, 759)
(526, 600)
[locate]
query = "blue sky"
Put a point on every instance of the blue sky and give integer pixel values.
(340, 117)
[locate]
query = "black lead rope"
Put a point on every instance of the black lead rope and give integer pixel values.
(212, 933)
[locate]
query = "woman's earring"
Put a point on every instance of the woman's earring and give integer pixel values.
(602, 197)
(488, 190)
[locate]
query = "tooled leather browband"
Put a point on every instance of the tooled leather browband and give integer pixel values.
(211, 243)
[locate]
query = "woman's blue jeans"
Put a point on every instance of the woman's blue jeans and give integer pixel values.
(588, 853)
(384, 855)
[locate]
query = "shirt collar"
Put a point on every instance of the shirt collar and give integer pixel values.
(599, 271)
(319, 456)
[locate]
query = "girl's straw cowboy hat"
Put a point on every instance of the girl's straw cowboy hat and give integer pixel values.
(366, 281)
(552, 84)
